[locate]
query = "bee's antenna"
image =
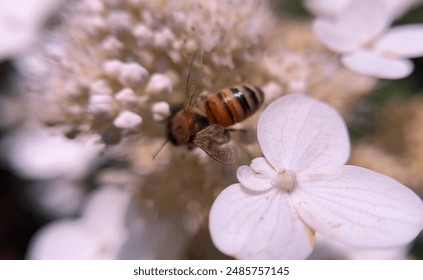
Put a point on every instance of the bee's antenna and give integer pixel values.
(159, 149)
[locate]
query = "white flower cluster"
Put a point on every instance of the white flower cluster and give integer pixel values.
(117, 62)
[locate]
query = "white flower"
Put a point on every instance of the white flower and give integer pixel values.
(155, 236)
(302, 187)
(367, 46)
(20, 23)
(112, 227)
(98, 234)
(334, 8)
(35, 152)
(326, 8)
(326, 248)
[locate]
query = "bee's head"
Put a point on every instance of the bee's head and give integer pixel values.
(178, 128)
(184, 125)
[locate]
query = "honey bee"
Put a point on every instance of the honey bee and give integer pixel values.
(222, 109)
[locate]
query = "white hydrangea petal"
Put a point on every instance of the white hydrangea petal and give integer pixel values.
(301, 133)
(257, 177)
(66, 239)
(334, 37)
(261, 165)
(374, 64)
(326, 8)
(105, 210)
(349, 31)
(363, 20)
(398, 8)
(359, 207)
(36, 153)
(14, 42)
(403, 41)
(395, 253)
(154, 236)
(21, 22)
(327, 249)
(250, 226)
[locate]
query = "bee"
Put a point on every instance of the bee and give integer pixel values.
(209, 129)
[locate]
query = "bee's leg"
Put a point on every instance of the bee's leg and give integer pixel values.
(159, 149)
(236, 130)
(244, 135)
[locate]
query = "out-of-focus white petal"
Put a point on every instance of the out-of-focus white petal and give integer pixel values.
(250, 226)
(335, 8)
(14, 42)
(349, 31)
(66, 239)
(398, 8)
(326, 8)
(359, 207)
(363, 20)
(37, 154)
(327, 249)
(334, 37)
(402, 41)
(98, 234)
(105, 210)
(301, 133)
(258, 177)
(396, 253)
(20, 21)
(55, 199)
(373, 64)
(154, 236)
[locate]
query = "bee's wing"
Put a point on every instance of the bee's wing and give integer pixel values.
(194, 84)
(215, 143)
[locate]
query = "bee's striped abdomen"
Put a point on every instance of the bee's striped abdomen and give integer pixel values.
(232, 105)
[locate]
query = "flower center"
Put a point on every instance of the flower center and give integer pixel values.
(286, 180)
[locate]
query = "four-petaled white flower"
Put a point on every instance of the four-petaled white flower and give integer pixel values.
(360, 33)
(301, 186)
